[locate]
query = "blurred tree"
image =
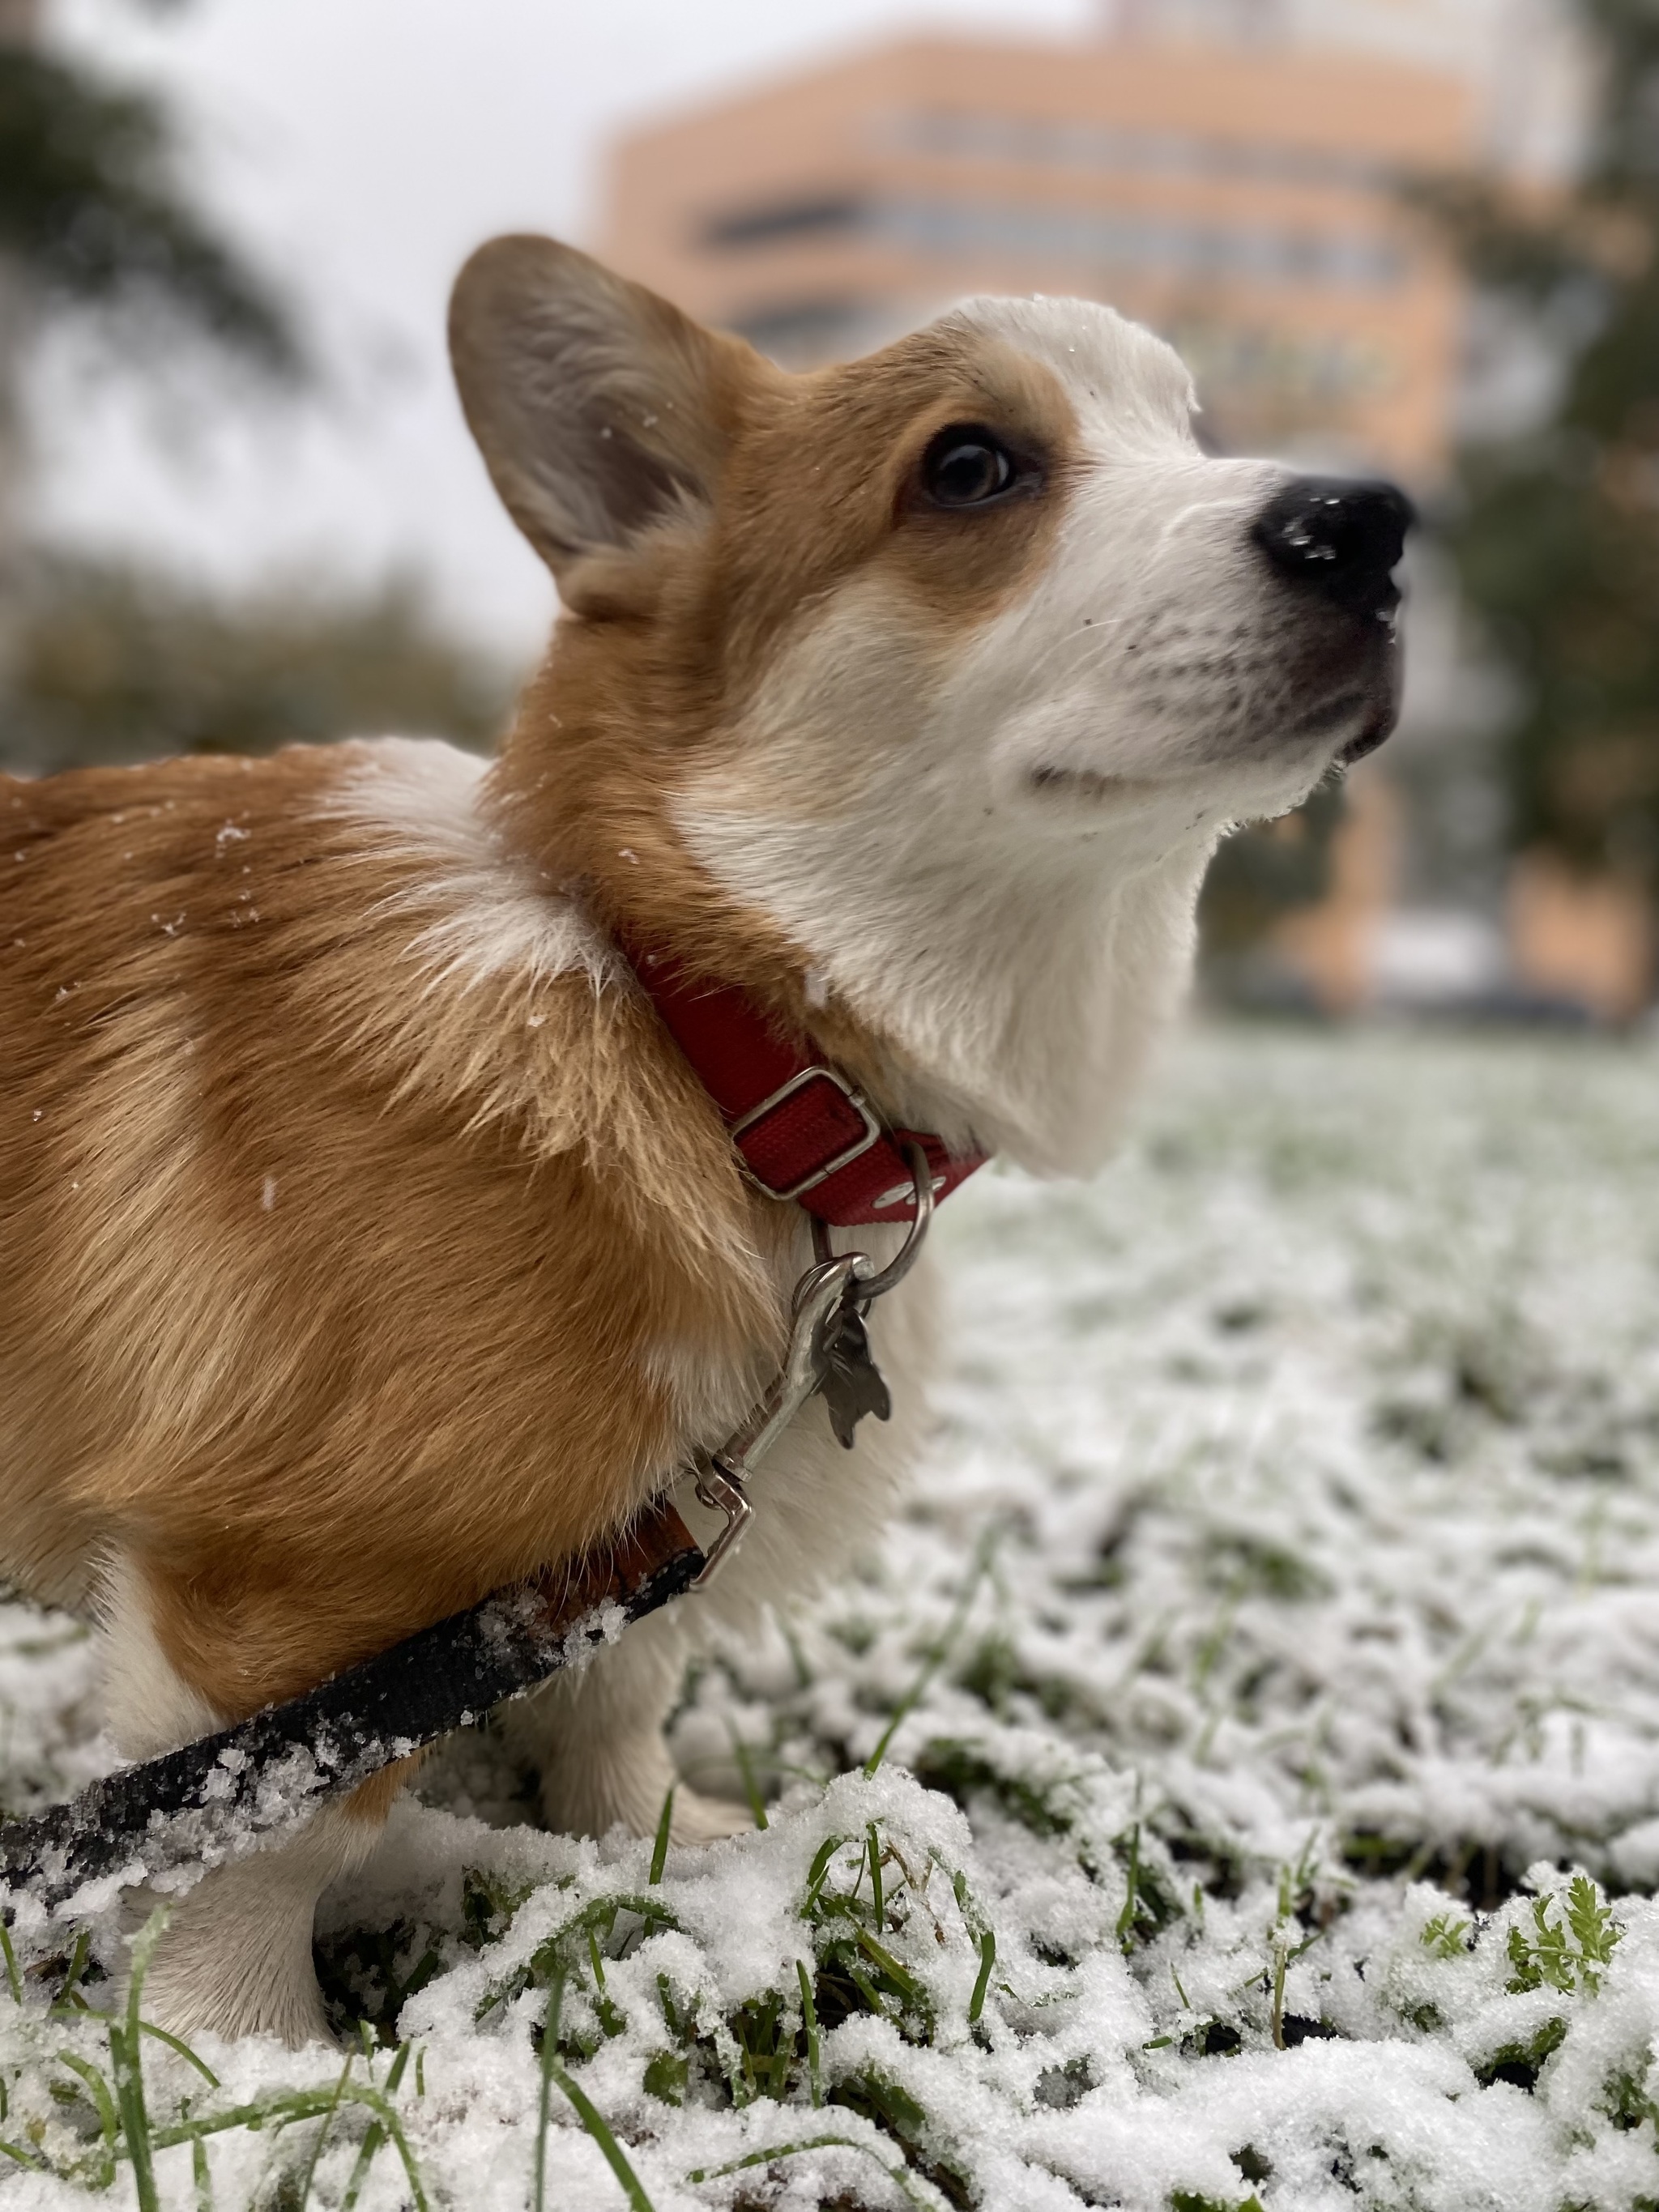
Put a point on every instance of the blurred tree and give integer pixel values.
(1258, 875)
(1556, 532)
(93, 216)
(115, 663)
(109, 662)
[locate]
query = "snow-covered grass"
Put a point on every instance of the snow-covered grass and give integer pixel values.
(1267, 1673)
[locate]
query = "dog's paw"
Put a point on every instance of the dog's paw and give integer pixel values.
(700, 1820)
(217, 1972)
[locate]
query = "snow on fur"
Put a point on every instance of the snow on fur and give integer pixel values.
(1271, 1656)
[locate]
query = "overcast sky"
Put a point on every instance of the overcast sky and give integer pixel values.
(360, 148)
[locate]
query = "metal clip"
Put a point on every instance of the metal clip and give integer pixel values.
(720, 1493)
(720, 1483)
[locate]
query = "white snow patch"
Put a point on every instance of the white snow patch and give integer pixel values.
(1292, 1543)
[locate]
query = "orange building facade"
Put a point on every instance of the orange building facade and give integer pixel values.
(1245, 204)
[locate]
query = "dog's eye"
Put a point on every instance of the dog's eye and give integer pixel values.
(966, 466)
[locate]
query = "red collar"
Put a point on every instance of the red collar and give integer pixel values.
(803, 1131)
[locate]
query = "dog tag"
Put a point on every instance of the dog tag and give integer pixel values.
(851, 1382)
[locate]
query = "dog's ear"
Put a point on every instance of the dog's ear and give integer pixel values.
(595, 403)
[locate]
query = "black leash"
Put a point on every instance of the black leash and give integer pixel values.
(206, 1802)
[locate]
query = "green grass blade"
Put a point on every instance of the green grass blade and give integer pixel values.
(868, 1990)
(546, 1959)
(201, 2177)
(809, 2013)
(899, 1976)
(69, 1999)
(549, 2047)
(103, 2104)
(593, 2120)
(988, 1959)
(366, 2155)
(14, 1978)
(177, 2042)
(322, 2133)
(659, 1849)
(745, 1760)
(126, 2051)
(1125, 1918)
(291, 2106)
(134, 2121)
(393, 2127)
(818, 1872)
(938, 1656)
(896, 2174)
(387, 2127)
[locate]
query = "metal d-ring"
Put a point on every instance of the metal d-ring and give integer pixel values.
(866, 1289)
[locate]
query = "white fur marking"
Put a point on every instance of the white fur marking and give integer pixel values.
(148, 1706)
(418, 799)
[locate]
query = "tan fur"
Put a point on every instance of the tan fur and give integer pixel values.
(326, 1288)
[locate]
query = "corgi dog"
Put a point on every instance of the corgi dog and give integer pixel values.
(368, 1241)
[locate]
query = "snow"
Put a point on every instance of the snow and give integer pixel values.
(1273, 1635)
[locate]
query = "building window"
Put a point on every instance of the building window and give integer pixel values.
(1091, 236)
(1046, 142)
(807, 330)
(783, 219)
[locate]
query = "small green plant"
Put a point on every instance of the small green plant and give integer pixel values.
(858, 1971)
(962, 1771)
(1519, 2064)
(488, 1906)
(581, 1937)
(1565, 1957)
(1627, 2103)
(659, 1844)
(1150, 1904)
(1446, 1936)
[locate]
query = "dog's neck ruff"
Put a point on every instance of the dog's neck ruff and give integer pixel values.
(801, 1129)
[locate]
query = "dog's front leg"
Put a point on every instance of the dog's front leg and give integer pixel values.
(236, 1958)
(596, 1738)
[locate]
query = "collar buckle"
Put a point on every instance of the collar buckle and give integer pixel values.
(846, 1095)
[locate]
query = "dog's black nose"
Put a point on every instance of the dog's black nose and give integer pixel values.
(1339, 537)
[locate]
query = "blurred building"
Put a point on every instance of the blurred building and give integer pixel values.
(1231, 173)
(1242, 200)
